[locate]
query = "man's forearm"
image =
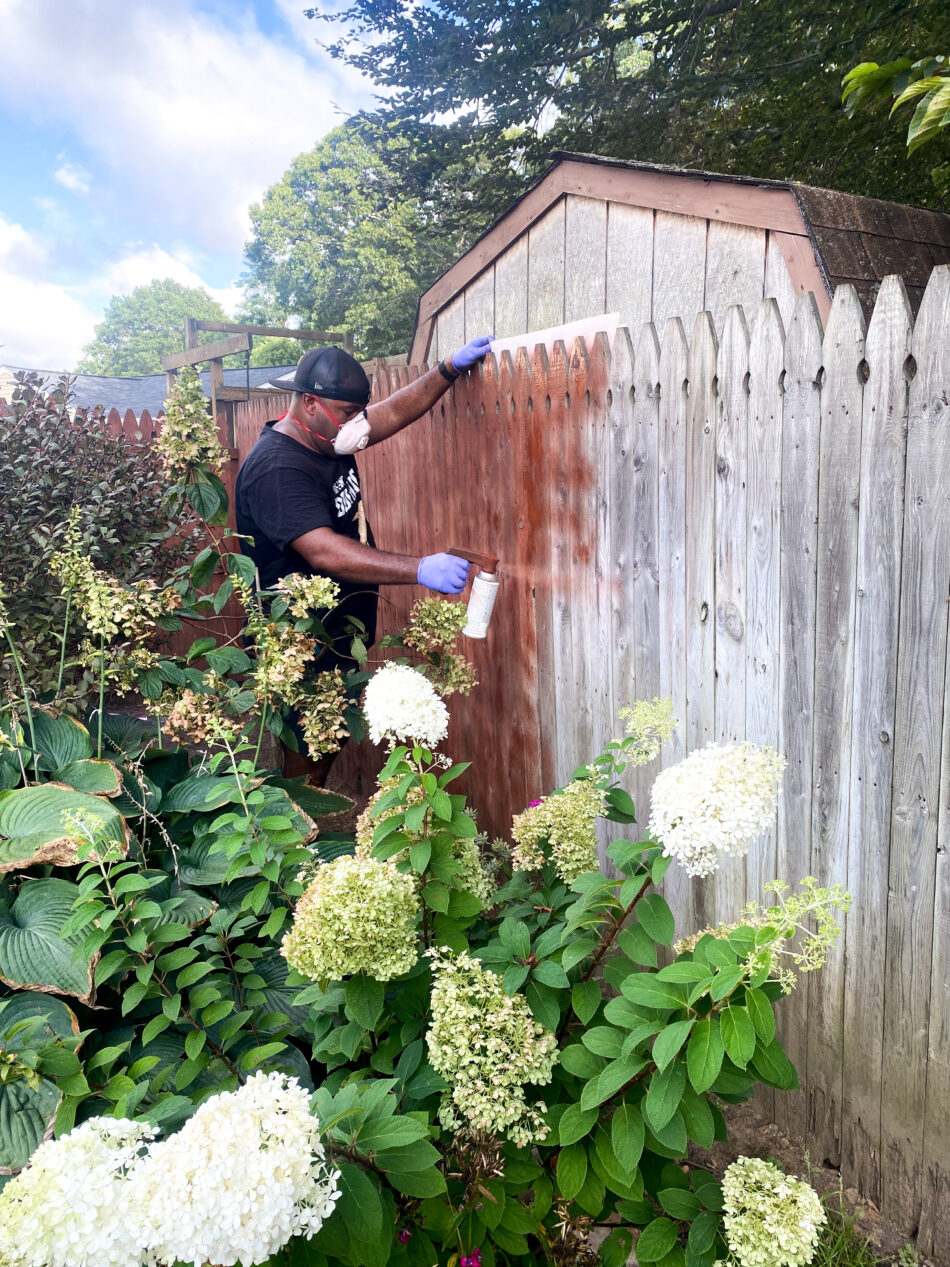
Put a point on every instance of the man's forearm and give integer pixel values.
(331, 554)
(408, 404)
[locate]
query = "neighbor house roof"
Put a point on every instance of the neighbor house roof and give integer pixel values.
(135, 392)
(826, 237)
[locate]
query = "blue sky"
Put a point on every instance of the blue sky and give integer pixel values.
(134, 135)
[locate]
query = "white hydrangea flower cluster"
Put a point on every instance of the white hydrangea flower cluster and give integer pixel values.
(488, 1045)
(70, 1205)
(770, 1219)
(357, 915)
(715, 802)
(242, 1177)
(304, 593)
(568, 822)
(403, 706)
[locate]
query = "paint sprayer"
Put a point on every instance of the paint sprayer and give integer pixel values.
(484, 591)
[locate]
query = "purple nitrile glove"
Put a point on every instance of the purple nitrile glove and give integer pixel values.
(443, 572)
(473, 351)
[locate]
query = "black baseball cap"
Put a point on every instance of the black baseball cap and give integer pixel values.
(328, 372)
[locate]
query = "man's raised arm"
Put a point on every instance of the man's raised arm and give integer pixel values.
(416, 399)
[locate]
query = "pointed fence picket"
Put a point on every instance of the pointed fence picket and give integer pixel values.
(754, 521)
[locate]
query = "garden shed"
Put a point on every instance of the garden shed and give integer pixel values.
(597, 235)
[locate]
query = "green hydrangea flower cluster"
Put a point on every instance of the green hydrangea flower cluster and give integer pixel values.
(649, 723)
(793, 940)
(488, 1046)
(305, 593)
(321, 713)
(567, 821)
(434, 628)
(358, 915)
(466, 850)
(189, 435)
(770, 1219)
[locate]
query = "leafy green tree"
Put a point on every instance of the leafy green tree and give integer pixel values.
(342, 243)
(726, 85)
(140, 328)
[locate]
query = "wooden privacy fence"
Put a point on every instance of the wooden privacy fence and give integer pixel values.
(754, 521)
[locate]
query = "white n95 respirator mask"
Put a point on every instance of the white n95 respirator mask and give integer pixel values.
(353, 435)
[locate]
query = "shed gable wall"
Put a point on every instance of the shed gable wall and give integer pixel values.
(587, 256)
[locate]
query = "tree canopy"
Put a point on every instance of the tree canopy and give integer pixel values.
(725, 85)
(140, 328)
(342, 243)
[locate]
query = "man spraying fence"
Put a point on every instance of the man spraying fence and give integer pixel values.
(298, 500)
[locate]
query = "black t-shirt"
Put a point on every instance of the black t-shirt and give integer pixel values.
(285, 489)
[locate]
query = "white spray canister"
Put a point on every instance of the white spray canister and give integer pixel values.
(481, 601)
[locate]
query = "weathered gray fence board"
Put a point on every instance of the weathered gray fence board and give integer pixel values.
(763, 557)
(604, 705)
(921, 873)
(839, 473)
(877, 588)
(699, 724)
(671, 554)
(562, 535)
(729, 613)
(778, 284)
(645, 531)
(917, 749)
(582, 494)
(801, 420)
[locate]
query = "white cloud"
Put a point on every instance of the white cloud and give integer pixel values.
(140, 265)
(73, 176)
(42, 326)
(45, 325)
(193, 116)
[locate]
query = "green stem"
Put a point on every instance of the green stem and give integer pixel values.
(158, 731)
(102, 688)
(62, 653)
(26, 697)
(260, 733)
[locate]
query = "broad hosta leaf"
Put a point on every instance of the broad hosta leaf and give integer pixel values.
(99, 778)
(312, 801)
(26, 1116)
(32, 825)
(125, 734)
(60, 1019)
(33, 956)
(209, 792)
(60, 740)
